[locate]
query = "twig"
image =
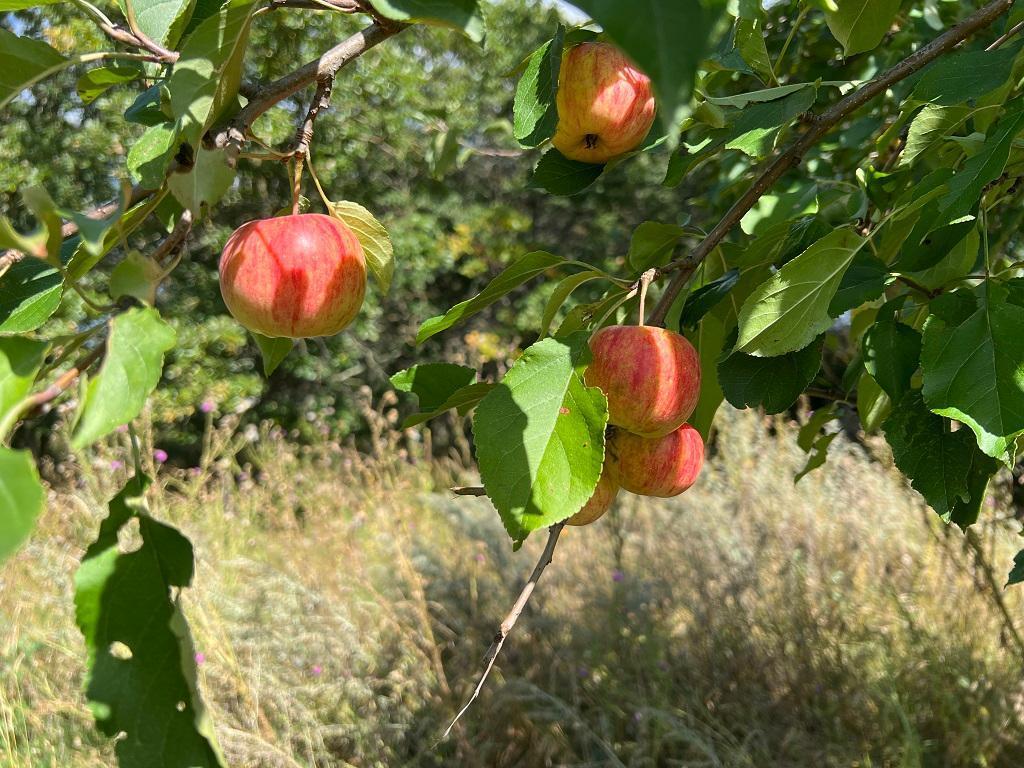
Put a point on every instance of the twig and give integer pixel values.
(325, 66)
(510, 620)
(52, 392)
(1006, 36)
(342, 6)
(134, 37)
(817, 129)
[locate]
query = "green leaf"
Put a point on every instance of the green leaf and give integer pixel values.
(464, 399)
(561, 293)
(860, 25)
(131, 370)
(208, 74)
(201, 186)
(652, 244)
(786, 312)
(21, 5)
(20, 360)
(932, 125)
(892, 353)
(818, 455)
(811, 430)
(272, 350)
(377, 248)
(534, 113)
(1017, 572)
(539, 437)
(141, 663)
(702, 300)
(161, 20)
(748, 37)
(34, 243)
(667, 40)
(21, 499)
(964, 75)
(136, 276)
(936, 460)
(560, 176)
(23, 63)
(965, 511)
(873, 405)
(966, 186)
(94, 83)
(83, 259)
(525, 268)
(92, 233)
(147, 109)
(742, 100)
(150, 156)
(863, 281)
(974, 369)
(771, 382)
(433, 383)
(463, 15)
(30, 291)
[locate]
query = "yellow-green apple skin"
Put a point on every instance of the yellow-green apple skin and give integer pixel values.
(604, 495)
(294, 276)
(651, 377)
(605, 104)
(657, 466)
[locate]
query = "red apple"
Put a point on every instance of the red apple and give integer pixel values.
(298, 276)
(605, 105)
(651, 377)
(657, 466)
(605, 493)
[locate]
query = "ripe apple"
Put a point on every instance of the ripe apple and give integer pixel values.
(605, 105)
(605, 493)
(298, 276)
(651, 377)
(657, 466)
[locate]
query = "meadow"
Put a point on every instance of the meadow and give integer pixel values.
(343, 601)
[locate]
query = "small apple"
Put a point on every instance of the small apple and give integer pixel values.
(651, 377)
(297, 276)
(657, 466)
(605, 493)
(605, 105)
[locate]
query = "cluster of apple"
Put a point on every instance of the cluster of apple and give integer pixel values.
(304, 275)
(651, 377)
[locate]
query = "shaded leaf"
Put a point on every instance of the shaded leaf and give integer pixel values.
(23, 63)
(773, 383)
(892, 353)
(864, 281)
(433, 383)
(964, 75)
(534, 113)
(94, 83)
(463, 15)
(21, 499)
(702, 300)
(558, 175)
(201, 186)
(30, 291)
(652, 244)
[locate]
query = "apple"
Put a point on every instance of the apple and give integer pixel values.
(605, 104)
(297, 276)
(657, 466)
(599, 503)
(651, 377)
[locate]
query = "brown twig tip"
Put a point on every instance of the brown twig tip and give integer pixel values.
(815, 131)
(510, 620)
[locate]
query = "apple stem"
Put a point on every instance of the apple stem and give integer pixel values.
(645, 282)
(297, 184)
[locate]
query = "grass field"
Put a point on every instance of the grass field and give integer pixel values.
(342, 605)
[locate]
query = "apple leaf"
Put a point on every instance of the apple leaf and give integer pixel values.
(433, 383)
(20, 360)
(773, 383)
(380, 254)
(141, 660)
(83, 258)
(150, 156)
(534, 113)
(787, 311)
(935, 459)
(208, 74)
(860, 25)
(892, 353)
(23, 63)
(964, 75)
(463, 15)
(201, 186)
(667, 40)
(136, 276)
(1017, 572)
(97, 81)
(131, 370)
(21, 499)
(540, 437)
(160, 20)
(560, 176)
(272, 350)
(30, 291)
(864, 281)
(21, 5)
(561, 294)
(817, 455)
(973, 367)
(705, 298)
(873, 405)
(652, 244)
(523, 269)
(463, 400)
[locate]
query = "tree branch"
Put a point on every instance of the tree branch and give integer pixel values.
(325, 67)
(817, 129)
(510, 620)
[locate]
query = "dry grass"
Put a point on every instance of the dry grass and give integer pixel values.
(342, 608)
